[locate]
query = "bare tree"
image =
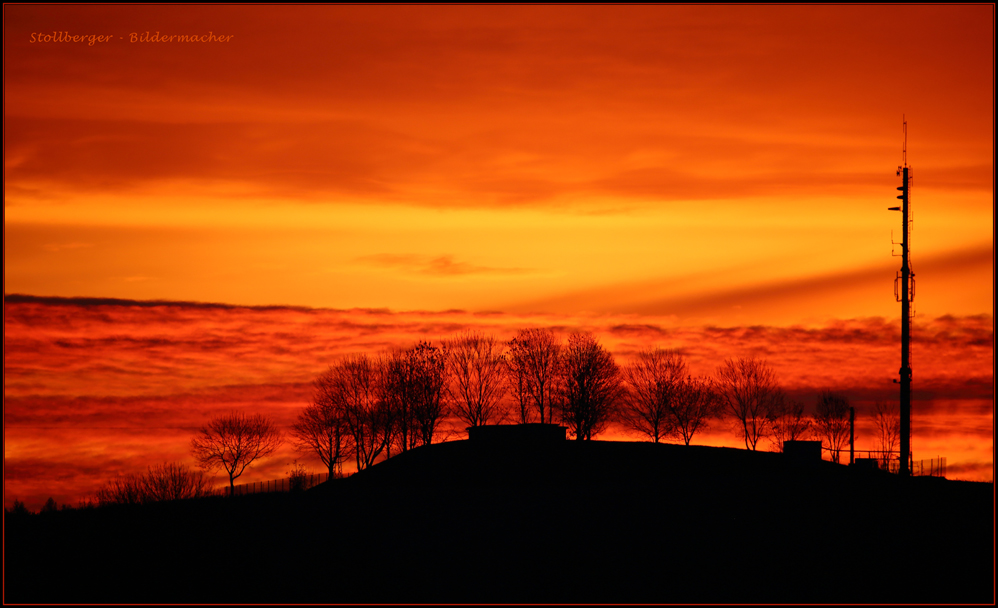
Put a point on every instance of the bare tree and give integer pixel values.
(831, 421)
(431, 365)
(887, 421)
(175, 481)
(412, 385)
(168, 481)
(121, 490)
(234, 441)
(395, 393)
(750, 393)
(591, 385)
(533, 361)
(520, 387)
(477, 381)
(298, 477)
(321, 427)
(695, 402)
(789, 422)
(368, 418)
(652, 381)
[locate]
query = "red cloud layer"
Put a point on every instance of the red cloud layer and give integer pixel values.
(438, 99)
(98, 387)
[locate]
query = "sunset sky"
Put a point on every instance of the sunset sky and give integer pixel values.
(692, 168)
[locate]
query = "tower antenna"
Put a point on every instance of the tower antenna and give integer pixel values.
(904, 147)
(904, 292)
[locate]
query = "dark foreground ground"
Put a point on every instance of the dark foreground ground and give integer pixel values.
(592, 522)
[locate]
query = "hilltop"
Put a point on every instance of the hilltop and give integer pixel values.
(578, 522)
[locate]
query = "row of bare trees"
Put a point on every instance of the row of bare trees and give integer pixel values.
(364, 408)
(753, 398)
(168, 481)
(664, 401)
(367, 407)
(831, 424)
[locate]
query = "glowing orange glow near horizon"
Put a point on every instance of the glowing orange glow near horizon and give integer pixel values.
(681, 166)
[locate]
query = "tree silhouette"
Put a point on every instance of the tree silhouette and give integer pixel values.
(412, 386)
(750, 395)
(234, 441)
(533, 362)
(789, 423)
(694, 403)
(477, 384)
(652, 381)
(168, 481)
(368, 418)
(831, 421)
(431, 378)
(321, 428)
(17, 509)
(887, 421)
(174, 481)
(516, 375)
(395, 391)
(591, 385)
(121, 490)
(298, 477)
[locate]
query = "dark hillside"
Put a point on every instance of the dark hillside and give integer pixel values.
(606, 522)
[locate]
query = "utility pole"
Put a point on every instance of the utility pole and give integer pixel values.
(852, 435)
(904, 292)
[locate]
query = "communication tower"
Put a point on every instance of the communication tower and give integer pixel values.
(904, 292)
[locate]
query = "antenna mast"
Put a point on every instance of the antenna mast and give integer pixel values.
(904, 292)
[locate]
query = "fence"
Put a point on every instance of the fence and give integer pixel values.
(932, 467)
(278, 485)
(890, 461)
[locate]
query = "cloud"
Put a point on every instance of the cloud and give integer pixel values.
(169, 412)
(488, 106)
(16, 298)
(763, 300)
(976, 177)
(67, 246)
(323, 160)
(969, 470)
(440, 266)
(284, 159)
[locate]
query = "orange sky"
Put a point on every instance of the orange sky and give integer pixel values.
(639, 159)
(701, 166)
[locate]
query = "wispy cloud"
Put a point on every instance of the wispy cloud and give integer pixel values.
(67, 246)
(440, 266)
(760, 300)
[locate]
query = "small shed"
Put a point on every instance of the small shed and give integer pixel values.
(517, 434)
(866, 464)
(802, 450)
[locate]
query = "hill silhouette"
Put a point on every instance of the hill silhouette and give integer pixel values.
(576, 522)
